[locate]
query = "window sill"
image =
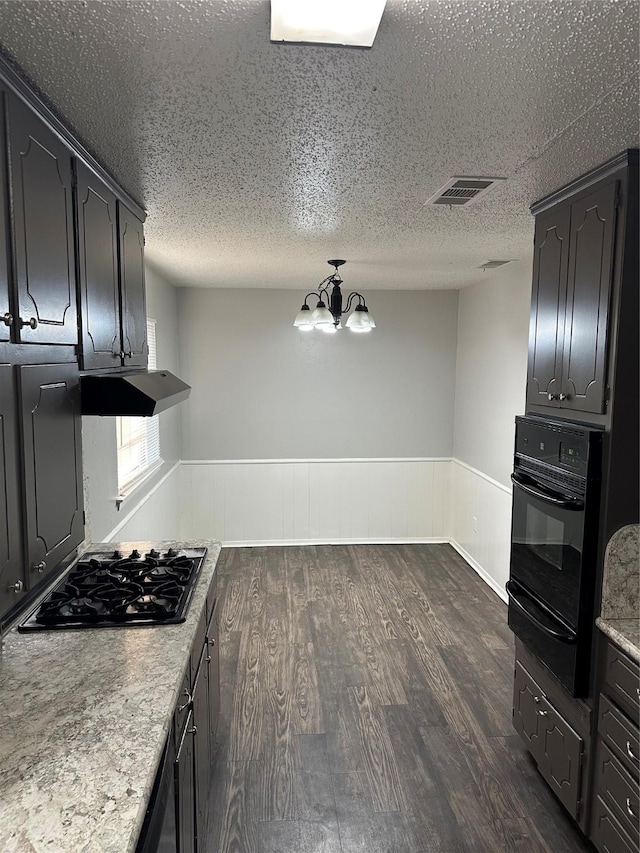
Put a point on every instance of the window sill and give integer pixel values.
(133, 485)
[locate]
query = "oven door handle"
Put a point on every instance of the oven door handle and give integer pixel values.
(561, 636)
(549, 497)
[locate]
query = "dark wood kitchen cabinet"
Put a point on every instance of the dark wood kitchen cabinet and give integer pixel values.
(555, 729)
(111, 278)
(12, 578)
(43, 238)
(132, 288)
(185, 788)
(615, 819)
(6, 317)
(580, 265)
(52, 464)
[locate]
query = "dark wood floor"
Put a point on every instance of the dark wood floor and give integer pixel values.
(366, 706)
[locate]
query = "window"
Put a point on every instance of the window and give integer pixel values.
(138, 439)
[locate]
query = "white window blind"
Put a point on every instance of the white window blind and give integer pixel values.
(138, 438)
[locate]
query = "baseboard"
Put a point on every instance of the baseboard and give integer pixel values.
(430, 540)
(483, 573)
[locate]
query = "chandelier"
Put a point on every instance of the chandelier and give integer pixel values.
(327, 314)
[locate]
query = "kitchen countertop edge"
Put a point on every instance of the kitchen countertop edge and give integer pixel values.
(624, 632)
(80, 747)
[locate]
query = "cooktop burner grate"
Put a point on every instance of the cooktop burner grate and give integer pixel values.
(109, 590)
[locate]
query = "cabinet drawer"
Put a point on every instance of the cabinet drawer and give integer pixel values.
(622, 676)
(616, 787)
(620, 735)
(606, 832)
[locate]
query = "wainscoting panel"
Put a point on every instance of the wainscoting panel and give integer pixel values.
(481, 523)
(332, 500)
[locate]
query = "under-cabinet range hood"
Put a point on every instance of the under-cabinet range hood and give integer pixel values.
(145, 393)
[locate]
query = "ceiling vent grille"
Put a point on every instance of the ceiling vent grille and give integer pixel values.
(463, 191)
(491, 265)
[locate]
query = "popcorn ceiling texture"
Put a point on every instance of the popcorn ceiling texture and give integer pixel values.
(257, 162)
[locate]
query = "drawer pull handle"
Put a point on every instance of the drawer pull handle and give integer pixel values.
(630, 752)
(187, 703)
(536, 699)
(543, 713)
(630, 811)
(638, 692)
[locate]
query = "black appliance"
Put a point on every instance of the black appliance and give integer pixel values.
(140, 393)
(109, 590)
(554, 535)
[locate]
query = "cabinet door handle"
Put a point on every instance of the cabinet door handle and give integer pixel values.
(188, 702)
(40, 567)
(543, 713)
(630, 811)
(553, 397)
(536, 699)
(128, 355)
(563, 396)
(212, 642)
(630, 752)
(32, 322)
(192, 731)
(7, 319)
(16, 587)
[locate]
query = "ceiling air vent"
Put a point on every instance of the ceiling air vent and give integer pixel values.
(491, 265)
(463, 191)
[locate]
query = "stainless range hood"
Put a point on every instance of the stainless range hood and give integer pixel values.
(142, 393)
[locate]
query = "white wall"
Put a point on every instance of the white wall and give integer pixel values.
(265, 390)
(99, 436)
(491, 370)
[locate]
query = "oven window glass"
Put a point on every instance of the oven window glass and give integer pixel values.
(546, 552)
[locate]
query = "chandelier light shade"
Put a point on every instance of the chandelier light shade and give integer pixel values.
(327, 315)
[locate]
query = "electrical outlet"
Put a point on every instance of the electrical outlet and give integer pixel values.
(474, 524)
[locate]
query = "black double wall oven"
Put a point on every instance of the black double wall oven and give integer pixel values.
(556, 503)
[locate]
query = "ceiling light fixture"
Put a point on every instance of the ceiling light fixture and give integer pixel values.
(327, 315)
(344, 22)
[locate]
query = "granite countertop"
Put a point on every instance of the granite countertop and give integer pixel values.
(84, 716)
(620, 613)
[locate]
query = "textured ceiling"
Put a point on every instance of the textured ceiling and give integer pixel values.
(256, 162)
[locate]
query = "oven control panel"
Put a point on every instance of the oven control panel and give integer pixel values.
(566, 446)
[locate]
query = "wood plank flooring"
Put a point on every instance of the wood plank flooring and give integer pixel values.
(366, 706)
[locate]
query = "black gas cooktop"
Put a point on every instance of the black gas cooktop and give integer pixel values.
(109, 590)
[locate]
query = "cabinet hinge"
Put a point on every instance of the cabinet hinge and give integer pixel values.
(84, 517)
(144, 240)
(578, 809)
(617, 201)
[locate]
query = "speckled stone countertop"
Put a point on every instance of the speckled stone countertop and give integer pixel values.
(83, 719)
(620, 613)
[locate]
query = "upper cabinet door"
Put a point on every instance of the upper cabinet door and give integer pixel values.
(50, 397)
(43, 222)
(550, 264)
(5, 316)
(98, 272)
(588, 290)
(134, 311)
(12, 581)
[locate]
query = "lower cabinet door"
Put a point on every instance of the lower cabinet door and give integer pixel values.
(50, 402)
(202, 750)
(559, 757)
(214, 683)
(12, 580)
(185, 789)
(526, 704)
